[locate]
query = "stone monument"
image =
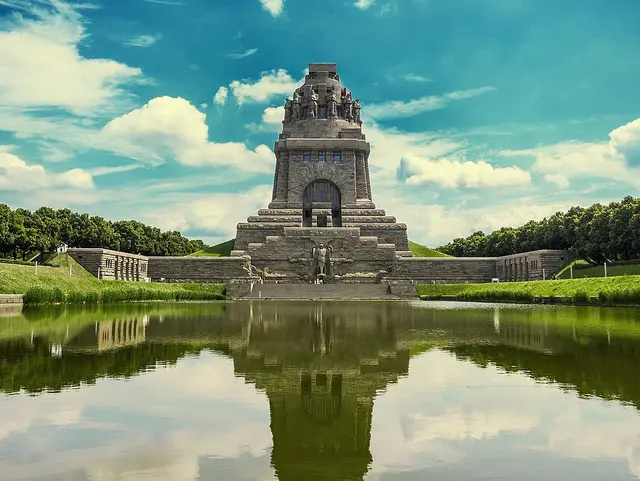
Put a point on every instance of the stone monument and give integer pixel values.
(321, 200)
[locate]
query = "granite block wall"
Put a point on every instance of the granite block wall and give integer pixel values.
(197, 269)
(450, 270)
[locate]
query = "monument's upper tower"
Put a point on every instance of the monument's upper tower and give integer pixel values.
(322, 155)
(322, 193)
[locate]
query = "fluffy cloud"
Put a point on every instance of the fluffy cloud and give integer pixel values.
(452, 174)
(220, 98)
(615, 159)
(626, 140)
(40, 49)
(270, 84)
(196, 213)
(274, 7)
(142, 40)
(412, 77)
(396, 108)
(168, 127)
(273, 116)
(17, 175)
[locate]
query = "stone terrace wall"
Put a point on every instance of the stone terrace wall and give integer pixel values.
(111, 265)
(197, 269)
(531, 266)
(451, 270)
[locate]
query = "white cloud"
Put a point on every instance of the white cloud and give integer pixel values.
(412, 77)
(453, 173)
(271, 84)
(196, 213)
(168, 127)
(273, 115)
(40, 50)
(398, 108)
(559, 163)
(364, 4)
(220, 98)
(626, 140)
(246, 53)
(17, 175)
(204, 105)
(142, 40)
(274, 7)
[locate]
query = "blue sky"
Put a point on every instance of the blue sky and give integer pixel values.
(481, 113)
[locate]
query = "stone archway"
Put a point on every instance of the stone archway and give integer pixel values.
(326, 192)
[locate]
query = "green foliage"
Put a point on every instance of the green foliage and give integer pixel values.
(222, 249)
(423, 251)
(598, 233)
(24, 234)
(610, 290)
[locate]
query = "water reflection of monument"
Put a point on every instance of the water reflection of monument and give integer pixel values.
(320, 370)
(121, 333)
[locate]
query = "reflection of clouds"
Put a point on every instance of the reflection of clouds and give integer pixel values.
(451, 412)
(602, 437)
(158, 425)
(456, 424)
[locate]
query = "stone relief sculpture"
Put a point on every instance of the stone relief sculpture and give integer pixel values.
(332, 105)
(288, 110)
(313, 106)
(347, 106)
(295, 113)
(356, 112)
(320, 256)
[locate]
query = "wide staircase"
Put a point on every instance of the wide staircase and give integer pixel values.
(322, 291)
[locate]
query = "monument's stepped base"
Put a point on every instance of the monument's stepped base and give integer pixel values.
(321, 291)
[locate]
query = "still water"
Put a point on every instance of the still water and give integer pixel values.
(320, 391)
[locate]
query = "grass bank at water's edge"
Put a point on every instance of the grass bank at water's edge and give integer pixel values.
(69, 282)
(610, 290)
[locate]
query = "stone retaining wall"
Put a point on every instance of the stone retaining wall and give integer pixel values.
(6, 299)
(452, 270)
(197, 269)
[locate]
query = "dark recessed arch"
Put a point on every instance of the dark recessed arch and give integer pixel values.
(321, 191)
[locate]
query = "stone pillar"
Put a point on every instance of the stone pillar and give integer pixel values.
(274, 192)
(367, 175)
(116, 268)
(137, 277)
(281, 184)
(361, 178)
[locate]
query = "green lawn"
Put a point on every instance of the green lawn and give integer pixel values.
(222, 249)
(423, 251)
(71, 283)
(598, 271)
(615, 290)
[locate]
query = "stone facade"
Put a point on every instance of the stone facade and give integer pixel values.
(112, 265)
(527, 266)
(322, 182)
(197, 269)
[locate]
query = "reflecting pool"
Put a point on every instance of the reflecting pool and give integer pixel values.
(320, 391)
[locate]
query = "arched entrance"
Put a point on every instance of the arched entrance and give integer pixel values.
(323, 191)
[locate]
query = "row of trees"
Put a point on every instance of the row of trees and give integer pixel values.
(598, 233)
(24, 234)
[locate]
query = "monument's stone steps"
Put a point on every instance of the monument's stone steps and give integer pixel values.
(345, 212)
(297, 219)
(321, 291)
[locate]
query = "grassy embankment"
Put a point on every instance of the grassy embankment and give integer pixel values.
(622, 290)
(580, 271)
(423, 251)
(61, 284)
(222, 249)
